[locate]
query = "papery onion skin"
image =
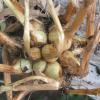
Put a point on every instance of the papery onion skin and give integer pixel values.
(68, 59)
(53, 70)
(23, 65)
(39, 66)
(49, 53)
(35, 53)
(41, 38)
(37, 25)
(54, 36)
(39, 33)
(69, 62)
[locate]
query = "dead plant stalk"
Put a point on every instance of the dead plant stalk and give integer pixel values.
(90, 49)
(84, 91)
(7, 75)
(26, 36)
(56, 20)
(71, 30)
(50, 84)
(91, 19)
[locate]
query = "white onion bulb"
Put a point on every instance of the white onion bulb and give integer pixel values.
(53, 70)
(35, 53)
(23, 65)
(39, 66)
(49, 53)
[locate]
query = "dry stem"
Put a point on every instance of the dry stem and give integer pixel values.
(7, 80)
(31, 87)
(57, 22)
(84, 91)
(90, 20)
(77, 22)
(26, 36)
(39, 87)
(50, 85)
(69, 12)
(7, 76)
(44, 79)
(16, 8)
(9, 69)
(89, 50)
(69, 33)
(71, 30)
(54, 15)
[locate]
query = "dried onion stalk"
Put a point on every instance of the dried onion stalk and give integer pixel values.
(53, 14)
(26, 36)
